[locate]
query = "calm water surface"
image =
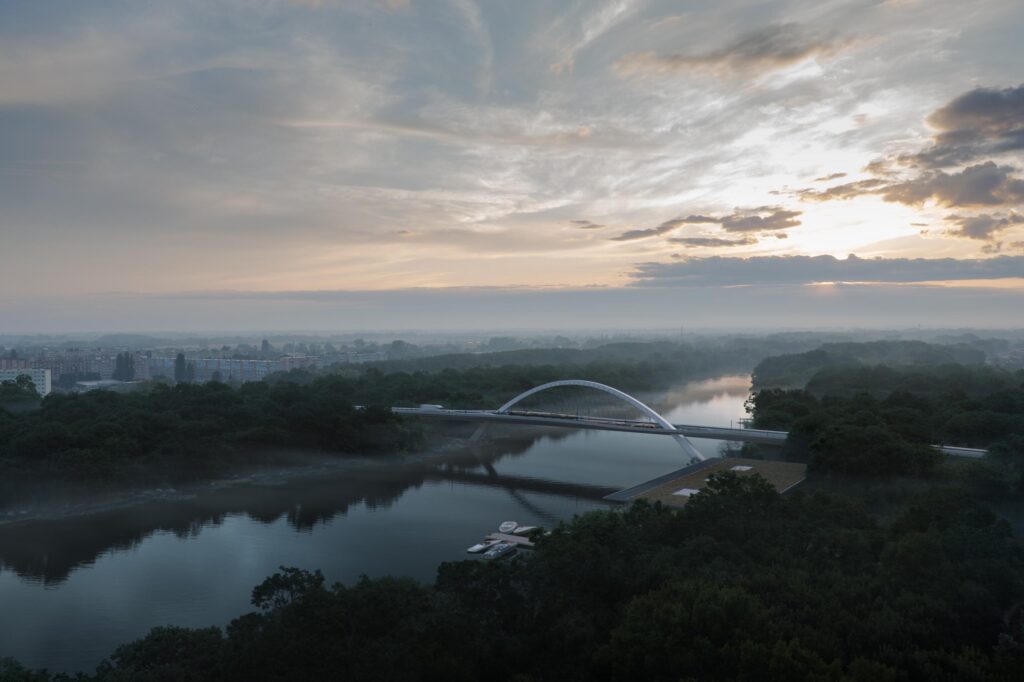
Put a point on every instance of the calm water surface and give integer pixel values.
(72, 590)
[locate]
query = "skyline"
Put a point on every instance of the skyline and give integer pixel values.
(361, 161)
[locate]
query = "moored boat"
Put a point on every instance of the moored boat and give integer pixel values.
(481, 546)
(499, 550)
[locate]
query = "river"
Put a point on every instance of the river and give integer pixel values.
(72, 589)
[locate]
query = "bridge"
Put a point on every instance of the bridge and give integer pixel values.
(657, 424)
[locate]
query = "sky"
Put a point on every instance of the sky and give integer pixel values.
(347, 164)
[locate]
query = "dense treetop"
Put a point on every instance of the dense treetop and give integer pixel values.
(794, 370)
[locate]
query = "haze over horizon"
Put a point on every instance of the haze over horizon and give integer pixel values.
(319, 164)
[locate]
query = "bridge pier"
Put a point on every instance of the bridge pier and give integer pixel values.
(480, 434)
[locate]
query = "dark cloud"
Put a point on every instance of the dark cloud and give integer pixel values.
(984, 184)
(694, 242)
(828, 178)
(765, 49)
(664, 228)
(760, 219)
(788, 270)
(984, 226)
(982, 122)
(847, 190)
(586, 224)
(697, 219)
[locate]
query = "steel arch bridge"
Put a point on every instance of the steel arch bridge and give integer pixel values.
(688, 447)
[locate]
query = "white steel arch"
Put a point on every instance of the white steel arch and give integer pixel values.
(683, 441)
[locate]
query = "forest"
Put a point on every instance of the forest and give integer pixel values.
(194, 430)
(742, 583)
(793, 370)
(191, 430)
(880, 420)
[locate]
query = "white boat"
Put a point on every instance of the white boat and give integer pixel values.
(507, 526)
(482, 546)
(499, 550)
(524, 530)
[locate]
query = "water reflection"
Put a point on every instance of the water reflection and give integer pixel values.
(49, 551)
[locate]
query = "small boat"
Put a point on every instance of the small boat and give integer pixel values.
(482, 546)
(499, 550)
(507, 526)
(524, 530)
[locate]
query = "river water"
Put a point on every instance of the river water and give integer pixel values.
(72, 589)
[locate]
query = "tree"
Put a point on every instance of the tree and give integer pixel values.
(124, 367)
(20, 390)
(180, 369)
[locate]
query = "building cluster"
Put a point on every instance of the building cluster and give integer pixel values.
(84, 370)
(1011, 359)
(227, 369)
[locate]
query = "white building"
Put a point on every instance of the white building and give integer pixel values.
(39, 377)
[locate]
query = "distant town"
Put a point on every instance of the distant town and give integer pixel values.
(125, 361)
(118, 362)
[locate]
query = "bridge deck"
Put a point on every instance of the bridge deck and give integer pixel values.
(630, 426)
(597, 423)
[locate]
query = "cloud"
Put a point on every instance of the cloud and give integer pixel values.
(392, 5)
(983, 121)
(762, 270)
(632, 235)
(760, 219)
(984, 184)
(762, 50)
(598, 20)
(828, 178)
(475, 308)
(586, 224)
(984, 226)
(694, 242)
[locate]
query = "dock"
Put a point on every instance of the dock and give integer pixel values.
(675, 488)
(517, 540)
